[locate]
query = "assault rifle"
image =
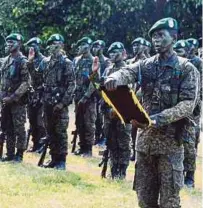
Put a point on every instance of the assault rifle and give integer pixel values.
(80, 128)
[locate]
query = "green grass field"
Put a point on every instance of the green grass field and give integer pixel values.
(28, 186)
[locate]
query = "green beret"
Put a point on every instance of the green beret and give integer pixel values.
(84, 40)
(99, 42)
(181, 44)
(15, 36)
(138, 40)
(166, 23)
(193, 41)
(55, 37)
(116, 46)
(34, 40)
(148, 44)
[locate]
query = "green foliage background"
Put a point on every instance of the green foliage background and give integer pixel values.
(111, 20)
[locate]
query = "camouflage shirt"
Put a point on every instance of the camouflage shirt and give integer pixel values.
(14, 76)
(35, 71)
(83, 69)
(58, 79)
(169, 95)
(135, 59)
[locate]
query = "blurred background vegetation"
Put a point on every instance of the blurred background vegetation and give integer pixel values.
(111, 20)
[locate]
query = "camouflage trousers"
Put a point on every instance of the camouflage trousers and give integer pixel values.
(35, 115)
(13, 124)
(189, 156)
(197, 129)
(159, 178)
(56, 125)
(118, 138)
(89, 124)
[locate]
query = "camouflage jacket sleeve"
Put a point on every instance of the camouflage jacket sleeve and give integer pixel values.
(70, 83)
(25, 81)
(188, 94)
(128, 74)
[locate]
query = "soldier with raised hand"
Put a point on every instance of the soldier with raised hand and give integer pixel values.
(85, 96)
(139, 47)
(14, 85)
(59, 86)
(35, 109)
(98, 47)
(118, 135)
(169, 85)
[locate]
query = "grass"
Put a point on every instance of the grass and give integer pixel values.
(28, 186)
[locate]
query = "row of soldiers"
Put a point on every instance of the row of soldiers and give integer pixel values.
(167, 86)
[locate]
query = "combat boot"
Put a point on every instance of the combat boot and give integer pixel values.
(80, 151)
(52, 163)
(132, 158)
(61, 163)
(9, 157)
(19, 156)
(189, 179)
(122, 171)
(88, 151)
(115, 171)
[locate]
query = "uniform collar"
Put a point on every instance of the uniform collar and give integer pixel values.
(171, 62)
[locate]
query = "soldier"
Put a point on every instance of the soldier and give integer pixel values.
(14, 85)
(169, 95)
(84, 96)
(198, 63)
(189, 138)
(35, 112)
(139, 47)
(118, 135)
(98, 49)
(59, 85)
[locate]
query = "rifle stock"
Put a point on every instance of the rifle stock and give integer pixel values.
(43, 155)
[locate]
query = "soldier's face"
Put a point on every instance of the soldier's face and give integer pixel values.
(83, 48)
(116, 56)
(35, 46)
(96, 50)
(137, 48)
(162, 40)
(182, 52)
(55, 47)
(12, 46)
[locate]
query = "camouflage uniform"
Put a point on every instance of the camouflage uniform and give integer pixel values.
(35, 109)
(59, 85)
(14, 84)
(141, 56)
(85, 96)
(85, 89)
(189, 136)
(159, 165)
(118, 135)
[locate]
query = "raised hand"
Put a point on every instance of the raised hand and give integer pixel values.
(31, 54)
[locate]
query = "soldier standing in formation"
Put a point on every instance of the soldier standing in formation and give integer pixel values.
(85, 96)
(14, 85)
(59, 86)
(139, 46)
(35, 109)
(98, 50)
(169, 95)
(118, 135)
(189, 136)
